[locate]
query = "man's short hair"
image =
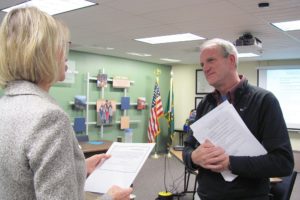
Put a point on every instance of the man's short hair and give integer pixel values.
(227, 47)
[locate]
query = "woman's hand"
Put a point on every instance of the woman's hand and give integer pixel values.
(92, 162)
(118, 193)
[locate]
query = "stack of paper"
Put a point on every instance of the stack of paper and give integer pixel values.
(224, 127)
(121, 168)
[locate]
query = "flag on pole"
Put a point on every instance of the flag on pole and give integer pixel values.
(169, 114)
(155, 113)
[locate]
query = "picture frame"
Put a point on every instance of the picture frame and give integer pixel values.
(197, 101)
(202, 86)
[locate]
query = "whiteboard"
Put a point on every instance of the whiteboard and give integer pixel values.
(284, 83)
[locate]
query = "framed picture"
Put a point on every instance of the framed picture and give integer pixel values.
(105, 111)
(197, 101)
(202, 86)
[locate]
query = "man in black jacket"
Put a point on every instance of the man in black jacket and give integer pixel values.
(261, 112)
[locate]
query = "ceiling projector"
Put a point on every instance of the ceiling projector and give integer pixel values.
(248, 40)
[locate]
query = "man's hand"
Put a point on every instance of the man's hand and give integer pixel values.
(210, 157)
(92, 162)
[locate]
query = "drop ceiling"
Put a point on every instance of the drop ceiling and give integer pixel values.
(116, 23)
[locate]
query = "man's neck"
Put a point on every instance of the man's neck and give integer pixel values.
(224, 89)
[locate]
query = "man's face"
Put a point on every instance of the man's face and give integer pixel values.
(216, 67)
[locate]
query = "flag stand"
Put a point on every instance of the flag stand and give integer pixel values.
(169, 155)
(155, 155)
(165, 195)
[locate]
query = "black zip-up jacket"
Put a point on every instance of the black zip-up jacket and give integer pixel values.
(261, 112)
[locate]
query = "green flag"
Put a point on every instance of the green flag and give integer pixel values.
(169, 114)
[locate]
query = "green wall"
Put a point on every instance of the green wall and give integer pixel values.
(141, 73)
(144, 78)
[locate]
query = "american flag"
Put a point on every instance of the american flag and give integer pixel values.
(155, 112)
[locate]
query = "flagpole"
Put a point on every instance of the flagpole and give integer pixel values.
(157, 73)
(168, 113)
(155, 155)
(169, 155)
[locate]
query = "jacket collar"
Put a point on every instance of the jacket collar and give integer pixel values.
(233, 92)
(21, 87)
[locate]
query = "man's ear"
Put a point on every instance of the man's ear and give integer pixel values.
(232, 60)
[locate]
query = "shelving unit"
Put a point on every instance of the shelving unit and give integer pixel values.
(102, 92)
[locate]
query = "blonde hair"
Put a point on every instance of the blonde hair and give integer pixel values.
(33, 46)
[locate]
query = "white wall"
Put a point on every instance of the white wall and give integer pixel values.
(184, 89)
(184, 92)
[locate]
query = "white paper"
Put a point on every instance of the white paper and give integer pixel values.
(121, 168)
(224, 127)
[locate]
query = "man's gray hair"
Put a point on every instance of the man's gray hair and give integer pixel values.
(228, 47)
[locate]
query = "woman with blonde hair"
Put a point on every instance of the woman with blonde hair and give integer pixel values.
(40, 156)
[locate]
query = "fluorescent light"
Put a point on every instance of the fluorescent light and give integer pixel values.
(170, 60)
(139, 54)
(288, 26)
(53, 7)
(247, 55)
(171, 38)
